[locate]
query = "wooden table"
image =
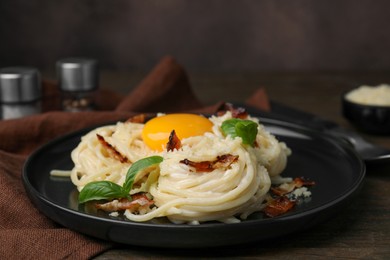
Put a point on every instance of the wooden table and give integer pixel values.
(361, 230)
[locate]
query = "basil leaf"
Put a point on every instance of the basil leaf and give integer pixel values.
(246, 129)
(108, 190)
(99, 190)
(229, 127)
(137, 167)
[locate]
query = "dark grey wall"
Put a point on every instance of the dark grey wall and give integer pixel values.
(203, 35)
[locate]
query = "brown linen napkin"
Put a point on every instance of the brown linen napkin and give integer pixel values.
(167, 86)
(27, 233)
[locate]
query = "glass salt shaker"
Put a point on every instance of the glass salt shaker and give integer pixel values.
(20, 92)
(78, 82)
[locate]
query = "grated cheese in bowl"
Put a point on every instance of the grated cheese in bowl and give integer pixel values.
(371, 95)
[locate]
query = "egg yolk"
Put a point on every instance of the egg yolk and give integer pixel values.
(157, 130)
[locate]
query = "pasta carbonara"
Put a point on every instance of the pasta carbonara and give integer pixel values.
(178, 191)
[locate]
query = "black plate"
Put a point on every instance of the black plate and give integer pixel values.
(335, 167)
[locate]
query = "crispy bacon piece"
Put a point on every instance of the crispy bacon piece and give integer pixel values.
(300, 181)
(139, 200)
(289, 187)
(278, 206)
(281, 204)
(111, 150)
(137, 119)
(280, 191)
(173, 142)
(237, 112)
(223, 161)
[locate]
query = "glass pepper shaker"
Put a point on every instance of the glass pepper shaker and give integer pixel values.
(20, 92)
(78, 82)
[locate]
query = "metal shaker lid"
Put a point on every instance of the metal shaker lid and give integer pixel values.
(77, 74)
(19, 84)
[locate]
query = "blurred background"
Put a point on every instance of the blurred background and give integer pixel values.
(202, 35)
(214, 36)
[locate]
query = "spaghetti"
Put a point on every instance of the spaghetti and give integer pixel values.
(179, 191)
